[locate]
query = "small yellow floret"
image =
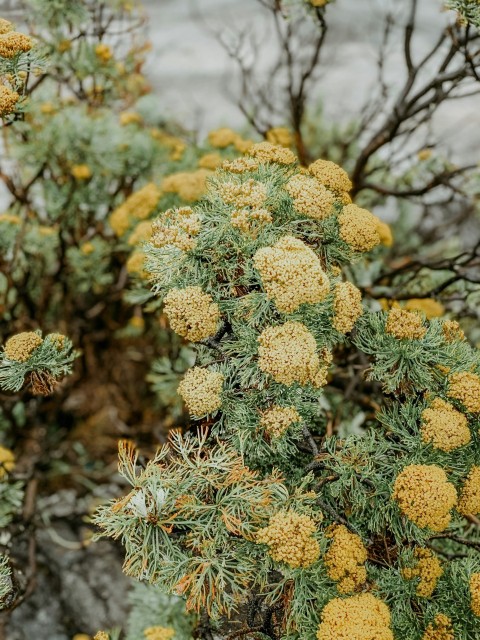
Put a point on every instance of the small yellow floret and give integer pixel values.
(358, 617)
(192, 313)
(136, 264)
(291, 274)
(444, 426)
(280, 136)
(347, 306)
(141, 233)
(201, 389)
(425, 496)
(345, 559)
(268, 152)
(130, 117)
(309, 197)
(385, 233)
(189, 185)
(222, 138)
(13, 43)
(469, 502)
(103, 52)
(246, 194)
(81, 171)
(289, 354)
(8, 100)
(101, 635)
(177, 228)
(427, 568)
(277, 420)
(210, 161)
(465, 387)
(331, 175)
(159, 633)
(290, 538)
(240, 165)
(440, 629)
(7, 461)
(405, 325)
(475, 593)
(250, 220)
(452, 331)
(21, 346)
(430, 307)
(358, 228)
(5, 26)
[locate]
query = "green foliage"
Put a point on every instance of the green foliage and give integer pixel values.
(5, 579)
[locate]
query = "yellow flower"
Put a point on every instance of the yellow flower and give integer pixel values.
(347, 307)
(249, 220)
(424, 154)
(358, 228)
(290, 538)
(267, 152)
(475, 593)
(358, 617)
(192, 313)
(20, 347)
(177, 228)
(210, 161)
(291, 274)
(141, 233)
(385, 233)
(8, 101)
(280, 136)
(222, 138)
(469, 502)
(64, 45)
(309, 197)
(48, 108)
(425, 496)
(81, 171)
(431, 308)
(465, 387)
(87, 248)
(201, 389)
(345, 559)
(246, 194)
(330, 175)
(240, 165)
(440, 629)
(103, 52)
(289, 354)
(427, 568)
(444, 426)
(277, 420)
(5, 26)
(189, 185)
(10, 218)
(137, 322)
(452, 331)
(12, 43)
(130, 117)
(159, 633)
(405, 325)
(136, 264)
(7, 461)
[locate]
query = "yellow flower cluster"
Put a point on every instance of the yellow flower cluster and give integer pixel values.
(277, 420)
(345, 559)
(385, 233)
(247, 220)
(290, 538)
(452, 331)
(12, 42)
(5, 26)
(427, 568)
(201, 389)
(358, 228)
(240, 165)
(469, 502)
(405, 325)
(81, 171)
(10, 218)
(440, 629)
(21, 346)
(57, 339)
(130, 117)
(291, 274)
(210, 161)
(425, 496)
(475, 593)
(136, 264)
(189, 185)
(358, 617)
(331, 175)
(247, 194)
(159, 633)
(310, 198)
(267, 152)
(7, 461)
(192, 313)
(141, 233)
(222, 138)
(177, 228)
(280, 136)
(139, 205)
(289, 354)
(347, 306)
(103, 52)
(8, 100)
(174, 144)
(101, 635)
(444, 426)
(465, 387)
(430, 307)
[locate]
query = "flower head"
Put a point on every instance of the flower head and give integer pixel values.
(189, 185)
(201, 389)
(222, 138)
(290, 538)
(21, 346)
(177, 228)
(440, 629)
(331, 175)
(358, 617)
(405, 325)
(475, 593)
(427, 568)
(425, 496)
(291, 274)
(159, 633)
(268, 152)
(444, 426)
(430, 307)
(7, 461)
(13, 43)
(276, 420)
(246, 194)
(210, 161)
(280, 136)
(8, 100)
(5, 26)
(347, 306)
(385, 233)
(81, 171)
(452, 331)
(345, 559)
(240, 165)
(103, 52)
(309, 197)
(358, 228)
(465, 387)
(469, 502)
(192, 313)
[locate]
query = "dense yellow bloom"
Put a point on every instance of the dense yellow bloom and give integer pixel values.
(444, 426)
(119, 221)
(176, 145)
(8, 100)
(465, 387)
(358, 617)
(405, 325)
(425, 496)
(246, 194)
(222, 138)
(345, 559)
(240, 165)
(475, 593)
(249, 220)
(5, 26)
(424, 154)
(280, 136)
(440, 629)
(189, 185)
(159, 633)
(289, 536)
(309, 197)
(10, 218)
(210, 161)
(81, 171)
(452, 331)
(385, 233)
(139, 205)
(469, 502)
(201, 389)
(427, 568)
(101, 635)
(347, 306)
(277, 420)
(177, 228)
(57, 339)
(243, 145)
(358, 228)
(268, 152)
(103, 52)
(130, 117)
(21, 346)
(136, 264)
(289, 354)
(430, 307)
(192, 313)
(319, 3)
(7, 461)
(12, 43)
(291, 274)
(331, 175)
(141, 233)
